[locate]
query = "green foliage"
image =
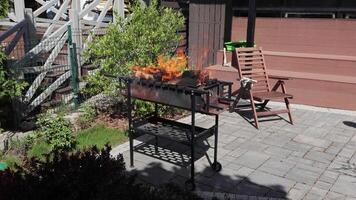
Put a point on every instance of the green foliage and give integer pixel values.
(57, 132)
(100, 135)
(91, 175)
(39, 149)
(87, 117)
(21, 146)
(138, 40)
(9, 87)
(11, 160)
(4, 7)
(142, 108)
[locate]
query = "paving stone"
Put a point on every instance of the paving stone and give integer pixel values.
(316, 132)
(225, 160)
(254, 146)
(347, 151)
(329, 177)
(334, 196)
(244, 171)
(298, 154)
(316, 194)
(311, 168)
(252, 159)
(276, 167)
(336, 137)
(312, 141)
(339, 163)
(318, 149)
(237, 152)
(320, 165)
(334, 148)
(247, 187)
(295, 146)
(345, 185)
(227, 139)
(323, 185)
(271, 181)
(233, 166)
(235, 144)
(319, 156)
(295, 194)
(299, 160)
(277, 151)
(301, 175)
(277, 140)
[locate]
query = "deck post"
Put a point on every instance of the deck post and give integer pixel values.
(119, 8)
(76, 35)
(251, 23)
(19, 6)
(30, 36)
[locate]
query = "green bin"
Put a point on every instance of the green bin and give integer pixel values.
(3, 166)
(231, 46)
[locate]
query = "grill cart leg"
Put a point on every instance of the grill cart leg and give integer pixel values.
(156, 144)
(156, 138)
(129, 112)
(190, 184)
(216, 165)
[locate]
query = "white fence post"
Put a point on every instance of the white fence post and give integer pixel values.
(76, 31)
(119, 8)
(19, 9)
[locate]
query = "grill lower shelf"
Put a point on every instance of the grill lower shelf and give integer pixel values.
(171, 130)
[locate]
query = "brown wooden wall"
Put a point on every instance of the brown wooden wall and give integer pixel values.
(208, 28)
(320, 54)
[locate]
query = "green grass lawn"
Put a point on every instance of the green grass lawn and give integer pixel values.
(98, 135)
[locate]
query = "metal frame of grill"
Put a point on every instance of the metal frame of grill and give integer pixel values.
(211, 100)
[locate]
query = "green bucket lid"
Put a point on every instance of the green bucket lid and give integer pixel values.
(3, 166)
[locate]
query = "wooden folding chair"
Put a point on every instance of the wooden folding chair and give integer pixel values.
(251, 65)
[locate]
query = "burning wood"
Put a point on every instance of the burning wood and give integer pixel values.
(167, 69)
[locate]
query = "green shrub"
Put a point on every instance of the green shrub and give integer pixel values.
(90, 175)
(4, 7)
(21, 146)
(9, 87)
(57, 132)
(87, 117)
(138, 40)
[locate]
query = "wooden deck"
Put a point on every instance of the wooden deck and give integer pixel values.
(319, 54)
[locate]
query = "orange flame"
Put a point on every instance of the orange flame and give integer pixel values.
(170, 68)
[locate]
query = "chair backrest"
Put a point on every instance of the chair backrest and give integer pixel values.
(251, 64)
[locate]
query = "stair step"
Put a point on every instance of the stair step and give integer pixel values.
(55, 74)
(64, 90)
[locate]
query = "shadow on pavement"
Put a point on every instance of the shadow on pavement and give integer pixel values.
(350, 124)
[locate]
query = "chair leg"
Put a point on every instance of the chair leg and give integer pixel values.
(288, 108)
(263, 106)
(254, 112)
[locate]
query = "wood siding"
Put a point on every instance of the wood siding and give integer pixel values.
(207, 30)
(319, 54)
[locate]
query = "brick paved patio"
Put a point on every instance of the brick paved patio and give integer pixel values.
(313, 159)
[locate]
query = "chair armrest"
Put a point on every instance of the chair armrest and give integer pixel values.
(282, 78)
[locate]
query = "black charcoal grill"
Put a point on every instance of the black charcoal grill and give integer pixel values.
(210, 98)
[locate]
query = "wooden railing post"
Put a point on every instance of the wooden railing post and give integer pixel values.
(30, 36)
(19, 6)
(76, 35)
(119, 8)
